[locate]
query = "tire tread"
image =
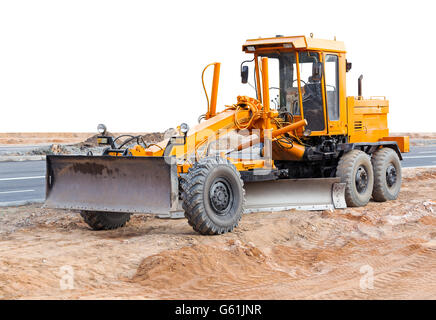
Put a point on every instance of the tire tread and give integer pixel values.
(192, 196)
(345, 171)
(379, 158)
(105, 220)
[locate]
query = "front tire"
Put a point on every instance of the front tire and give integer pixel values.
(387, 175)
(213, 196)
(355, 170)
(105, 220)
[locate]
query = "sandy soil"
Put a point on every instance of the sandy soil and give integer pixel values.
(70, 143)
(286, 255)
(419, 139)
(416, 135)
(35, 138)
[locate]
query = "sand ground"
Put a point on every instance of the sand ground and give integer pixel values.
(36, 138)
(285, 255)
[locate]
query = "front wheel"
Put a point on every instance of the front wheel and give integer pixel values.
(105, 220)
(355, 170)
(213, 196)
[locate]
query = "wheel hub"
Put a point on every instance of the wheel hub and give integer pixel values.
(361, 180)
(391, 175)
(221, 196)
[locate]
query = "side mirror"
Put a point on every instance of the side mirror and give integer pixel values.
(317, 71)
(348, 66)
(244, 74)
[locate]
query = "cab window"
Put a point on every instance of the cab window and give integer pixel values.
(332, 86)
(283, 85)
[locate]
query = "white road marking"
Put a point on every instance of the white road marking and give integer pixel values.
(419, 157)
(434, 151)
(21, 178)
(16, 191)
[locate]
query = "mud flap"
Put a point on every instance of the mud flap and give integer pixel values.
(300, 194)
(112, 184)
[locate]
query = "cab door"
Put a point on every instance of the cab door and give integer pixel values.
(312, 92)
(334, 93)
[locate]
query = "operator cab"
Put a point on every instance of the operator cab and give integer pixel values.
(304, 79)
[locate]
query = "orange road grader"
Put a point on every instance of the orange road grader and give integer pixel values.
(299, 142)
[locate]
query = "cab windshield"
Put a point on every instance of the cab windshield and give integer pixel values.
(283, 85)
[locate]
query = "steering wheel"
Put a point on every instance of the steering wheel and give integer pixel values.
(300, 80)
(277, 88)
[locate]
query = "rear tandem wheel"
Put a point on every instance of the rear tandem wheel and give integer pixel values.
(355, 170)
(387, 175)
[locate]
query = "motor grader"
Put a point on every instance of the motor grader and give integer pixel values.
(300, 143)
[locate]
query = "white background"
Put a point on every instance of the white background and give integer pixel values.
(136, 65)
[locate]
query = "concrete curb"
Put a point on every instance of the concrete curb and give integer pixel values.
(20, 203)
(22, 158)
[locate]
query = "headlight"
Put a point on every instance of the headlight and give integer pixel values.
(184, 128)
(101, 128)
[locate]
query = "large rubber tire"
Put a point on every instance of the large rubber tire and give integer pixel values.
(213, 196)
(352, 168)
(387, 175)
(182, 184)
(105, 220)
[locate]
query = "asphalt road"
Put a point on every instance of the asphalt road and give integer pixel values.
(24, 182)
(4, 150)
(420, 157)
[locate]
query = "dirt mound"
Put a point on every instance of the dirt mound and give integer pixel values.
(200, 266)
(288, 272)
(156, 137)
(153, 137)
(92, 141)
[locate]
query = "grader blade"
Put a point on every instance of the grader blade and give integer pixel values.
(300, 194)
(112, 184)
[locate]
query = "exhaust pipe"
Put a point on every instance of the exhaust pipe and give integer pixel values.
(359, 86)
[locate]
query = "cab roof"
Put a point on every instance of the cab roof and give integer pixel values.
(295, 42)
